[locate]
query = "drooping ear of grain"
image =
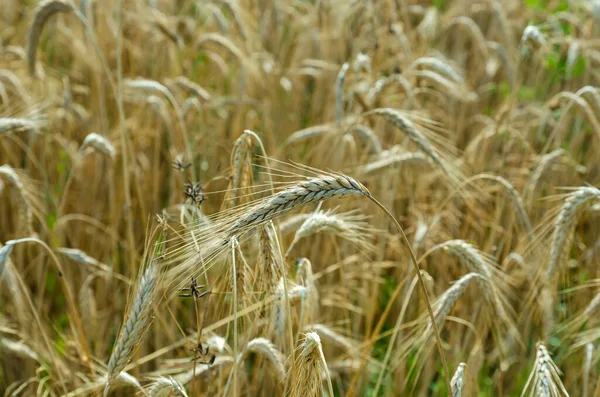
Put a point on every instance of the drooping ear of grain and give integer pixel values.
(164, 387)
(10, 125)
(345, 225)
(564, 226)
(313, 190)
(43, 12)
(309, 368)
(98, 143)
(268, 351)
(22, 199)
(449, 298)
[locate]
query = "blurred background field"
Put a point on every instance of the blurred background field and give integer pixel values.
(137, 136)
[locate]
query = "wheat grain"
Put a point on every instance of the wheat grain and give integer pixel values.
(292, 223)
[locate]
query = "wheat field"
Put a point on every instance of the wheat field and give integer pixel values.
(300, 198)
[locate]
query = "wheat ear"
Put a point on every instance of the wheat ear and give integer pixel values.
(458, 380)
(241, 273)
(544, 379)
(10, 125)
(270, 267)
(98, 143)
(42, 14)
(240, 168)
(137, 322)
(309, 368)
(407, 127)
(564, 225)
(339, 93)
(306, 192)
(164, 387)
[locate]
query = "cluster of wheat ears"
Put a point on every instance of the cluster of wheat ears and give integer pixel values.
(299, 198)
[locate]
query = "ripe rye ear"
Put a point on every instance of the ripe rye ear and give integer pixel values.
(42, 14)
